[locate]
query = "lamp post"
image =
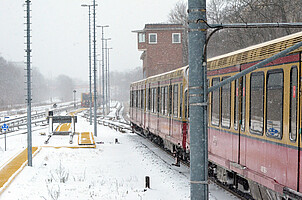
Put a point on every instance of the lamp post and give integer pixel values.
(106, 74)
(103, 100)
(90, 91)
(74, 98)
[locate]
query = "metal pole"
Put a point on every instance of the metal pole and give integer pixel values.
(261, 64)
(90, 91)
(74, 98)
(108, 80)
(106, 71)
(198, 100)
(28, 51)
(103, 103)
(103, 91)
(4, 140)
(94, 68)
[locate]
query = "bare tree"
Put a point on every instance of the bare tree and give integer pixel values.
(179, 15)
(250, 11)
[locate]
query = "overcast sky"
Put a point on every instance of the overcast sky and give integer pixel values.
(60, 32)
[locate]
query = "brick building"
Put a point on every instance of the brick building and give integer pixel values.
(162, 46)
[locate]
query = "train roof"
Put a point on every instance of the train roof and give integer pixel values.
(255, 52)
(166, 73)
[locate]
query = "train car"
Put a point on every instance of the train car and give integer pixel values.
(254, 124)
(85, 100)
(157, 109)
(254, 121)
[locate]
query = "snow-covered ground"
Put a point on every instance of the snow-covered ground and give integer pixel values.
(110, 171)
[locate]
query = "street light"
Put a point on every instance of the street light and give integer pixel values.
(74, 98)
(103, 101)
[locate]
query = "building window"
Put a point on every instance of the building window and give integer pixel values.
(141, 37)
(152, 38)
(176, 38)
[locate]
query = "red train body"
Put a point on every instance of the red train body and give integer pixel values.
(254, 124)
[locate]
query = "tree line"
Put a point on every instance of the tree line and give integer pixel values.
(13, 85)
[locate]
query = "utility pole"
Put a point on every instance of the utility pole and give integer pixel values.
(198, 100)
(28, 69)
(94, 75)
(108, 73)
(90, 90)
(103, 91)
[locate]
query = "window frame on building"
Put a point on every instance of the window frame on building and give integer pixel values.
(149, 38)
(179, 37)
(141, 37)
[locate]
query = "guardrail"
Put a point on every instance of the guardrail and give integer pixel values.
(15, 123)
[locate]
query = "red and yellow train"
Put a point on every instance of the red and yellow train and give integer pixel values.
(85, 100)
(254, 123)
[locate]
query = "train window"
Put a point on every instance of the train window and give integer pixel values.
(180, 100)
(226, 105)
(149, 99)
(243, 100)
(274, 103)
(152, 100)
(166, 100)
(131, 99)
(163, 100)
(170, 100)
(293, 104)
(256, 102)
(175, 100)
(215, 104)
(158, 100)
(139, 99)
(143, 99)
(236, 104)
(136, 98)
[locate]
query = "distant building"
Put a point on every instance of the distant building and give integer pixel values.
(162, 46)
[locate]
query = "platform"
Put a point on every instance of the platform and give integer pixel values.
(86, 138)
(63, 127)
(13, 167)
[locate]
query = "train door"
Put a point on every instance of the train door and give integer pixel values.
(295, 87)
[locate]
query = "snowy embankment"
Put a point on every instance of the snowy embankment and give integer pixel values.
(111, 171)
